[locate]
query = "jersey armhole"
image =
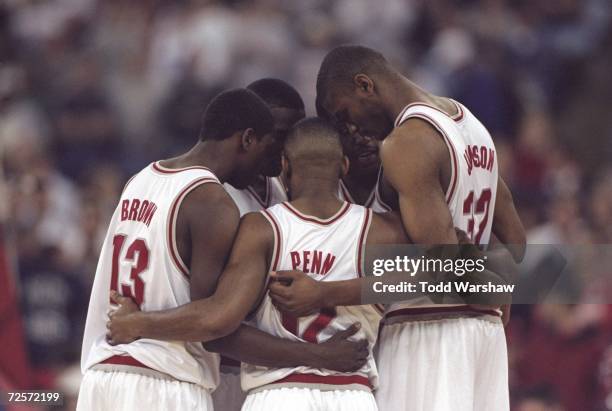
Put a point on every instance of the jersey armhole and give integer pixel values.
(274, 260)
(361, 243)
(171, 223)
(450, 190)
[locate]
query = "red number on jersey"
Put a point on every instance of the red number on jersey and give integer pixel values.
(482, 206)
(311, 332)
(138, 254)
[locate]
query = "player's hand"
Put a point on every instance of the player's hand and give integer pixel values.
(295, 293)
(340, 354)
(462, 237)
(120, 326)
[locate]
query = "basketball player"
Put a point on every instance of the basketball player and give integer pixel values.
(440, 171)
(358, 186)
(315, 232)
(287, 108)
(167, 241)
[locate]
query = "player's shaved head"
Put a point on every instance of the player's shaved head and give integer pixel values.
(313, 147)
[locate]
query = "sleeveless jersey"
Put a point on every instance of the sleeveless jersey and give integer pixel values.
(139, 258)
(374, 200)
(247, 200)
(326, 250)
(473, 184)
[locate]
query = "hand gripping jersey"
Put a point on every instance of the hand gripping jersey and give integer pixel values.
(140, 259)
(326, 250)
(249, 201)
(473, 185)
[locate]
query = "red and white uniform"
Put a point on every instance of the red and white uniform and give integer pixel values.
(326, 250)
(140, 258)
(248, 201)
(229, 395)
(457, 356)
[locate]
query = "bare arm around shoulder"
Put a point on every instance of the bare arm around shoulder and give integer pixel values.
(212, 229)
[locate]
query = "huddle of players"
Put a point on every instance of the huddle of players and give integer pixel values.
(322, 359)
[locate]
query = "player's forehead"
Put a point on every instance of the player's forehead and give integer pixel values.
(285, 118)
(337, 102)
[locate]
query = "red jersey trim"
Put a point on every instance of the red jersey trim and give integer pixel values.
(277, 239)
(326, 379)
(454, 162)
(363, 235)
(345, 193)
(416, 311)
(265, 203)
(456, 117)
(316, 220)
(165, 170)
(124, 360)
(377, 193)
(174, 254)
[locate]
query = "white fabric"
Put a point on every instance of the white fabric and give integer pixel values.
(326, 250)
(450, 364)
(163, 276)
(229, 395)
(123, 391)
(472, 188)
(307, 399)
(248, 201)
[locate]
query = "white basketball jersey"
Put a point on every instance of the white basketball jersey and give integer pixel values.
(140, 259)
(473, 184)
(249, 201)
(326, 250)
(374, 201)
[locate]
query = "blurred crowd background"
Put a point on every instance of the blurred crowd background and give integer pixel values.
(91, 91)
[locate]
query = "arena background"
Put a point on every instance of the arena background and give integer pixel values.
(91, 91)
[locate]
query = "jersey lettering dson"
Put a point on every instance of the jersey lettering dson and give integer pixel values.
(479, 156)
(312, 261)
(138, 210)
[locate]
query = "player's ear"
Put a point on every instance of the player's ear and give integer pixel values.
(247, 138)
(363, 84)
(344, 166)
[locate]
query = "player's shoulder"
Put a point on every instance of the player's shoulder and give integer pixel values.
(414, 139)
(210, 199)
(387, 228)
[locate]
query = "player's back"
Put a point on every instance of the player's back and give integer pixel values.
(140, 259)
(326, 250)
(472, 188)
(473, 184)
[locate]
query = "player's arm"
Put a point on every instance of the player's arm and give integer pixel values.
(412, 157)
(296, 293)
(237, 291)
(507, 225)
(250, 345)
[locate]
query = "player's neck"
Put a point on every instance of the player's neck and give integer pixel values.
(214, 155)
(313, 190)
(321, 204)
(405, 92)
